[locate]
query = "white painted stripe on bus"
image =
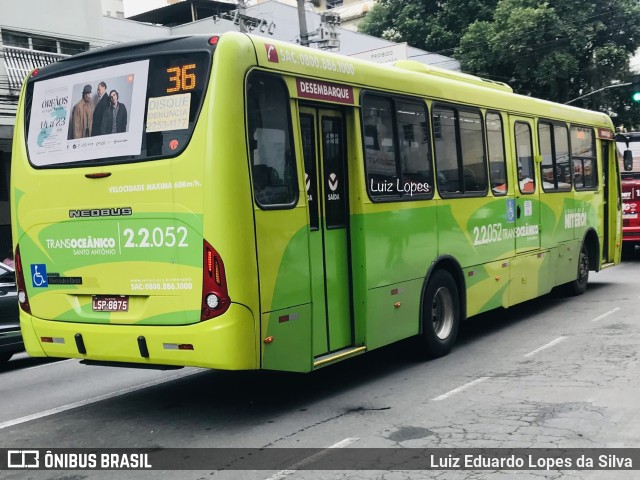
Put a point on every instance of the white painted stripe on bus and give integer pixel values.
(605, 314)
(544, 347)
(99, 398)
(459, 389)
(296, 466)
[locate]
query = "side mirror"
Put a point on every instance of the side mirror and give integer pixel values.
(627, 160)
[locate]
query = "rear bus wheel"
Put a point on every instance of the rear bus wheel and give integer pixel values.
(579, 285)
(440, 315)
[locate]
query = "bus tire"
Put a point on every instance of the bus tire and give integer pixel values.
(440, 316)
(579, 285)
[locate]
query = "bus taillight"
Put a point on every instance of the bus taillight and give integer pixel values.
(23, 298)
(215, 297)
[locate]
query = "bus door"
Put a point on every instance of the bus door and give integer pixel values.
(527, 201)
(612, 201)
(529, 261)
(606, 165)
(324, 151)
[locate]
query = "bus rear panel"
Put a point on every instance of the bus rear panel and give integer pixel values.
(630, 184)
(113, 259)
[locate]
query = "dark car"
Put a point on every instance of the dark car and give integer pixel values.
(10, 336)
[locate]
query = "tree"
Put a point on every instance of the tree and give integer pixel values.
(557, 50)
(435, 26)
(554, 49)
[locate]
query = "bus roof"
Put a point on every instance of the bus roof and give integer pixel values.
(122, 50)
(405, 77)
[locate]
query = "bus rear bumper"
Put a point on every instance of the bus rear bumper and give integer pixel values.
(226, 342)
(631, 234)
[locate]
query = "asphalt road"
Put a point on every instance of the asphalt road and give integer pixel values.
(556, 372)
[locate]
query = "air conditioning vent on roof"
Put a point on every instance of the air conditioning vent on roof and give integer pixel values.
(450, 74)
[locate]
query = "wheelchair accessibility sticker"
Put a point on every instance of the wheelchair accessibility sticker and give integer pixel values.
(39, 275)
(511, 210)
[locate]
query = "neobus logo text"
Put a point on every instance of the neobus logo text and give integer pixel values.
(101, 212)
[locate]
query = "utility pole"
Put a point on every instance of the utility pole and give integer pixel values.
(302, 20)
(242, 10)
(325, 36)
(245, 23)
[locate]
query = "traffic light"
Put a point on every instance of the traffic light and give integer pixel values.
(635, 88)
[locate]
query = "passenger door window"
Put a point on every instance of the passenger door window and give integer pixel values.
(270, 143)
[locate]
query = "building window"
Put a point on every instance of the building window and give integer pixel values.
(44, 44)
(39, 43)
(71, 48)
(15, 39)
(22, 52)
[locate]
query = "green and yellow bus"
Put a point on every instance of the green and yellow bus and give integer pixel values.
(242, 203)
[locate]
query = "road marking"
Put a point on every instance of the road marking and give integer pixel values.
(544, 347)
(459, 389)
(296, 466)
(49, 364)
(605, 314)
(99, 398)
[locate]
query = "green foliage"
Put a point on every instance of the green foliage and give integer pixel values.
(635, 88)
(556, 49)
(431, 25)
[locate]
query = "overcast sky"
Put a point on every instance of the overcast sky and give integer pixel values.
(133, 7)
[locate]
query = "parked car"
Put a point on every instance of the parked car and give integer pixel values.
(10, 336)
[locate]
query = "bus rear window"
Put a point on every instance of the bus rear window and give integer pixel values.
(633, 145)
(116, 113)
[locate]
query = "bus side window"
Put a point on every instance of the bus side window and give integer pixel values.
(270, 142)
(524, 155)
(554, 148)
(495, 150)
(380, 146)
(444, 132)
(583, 155)
(460, 159)
(415, 159)
(474, 168)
